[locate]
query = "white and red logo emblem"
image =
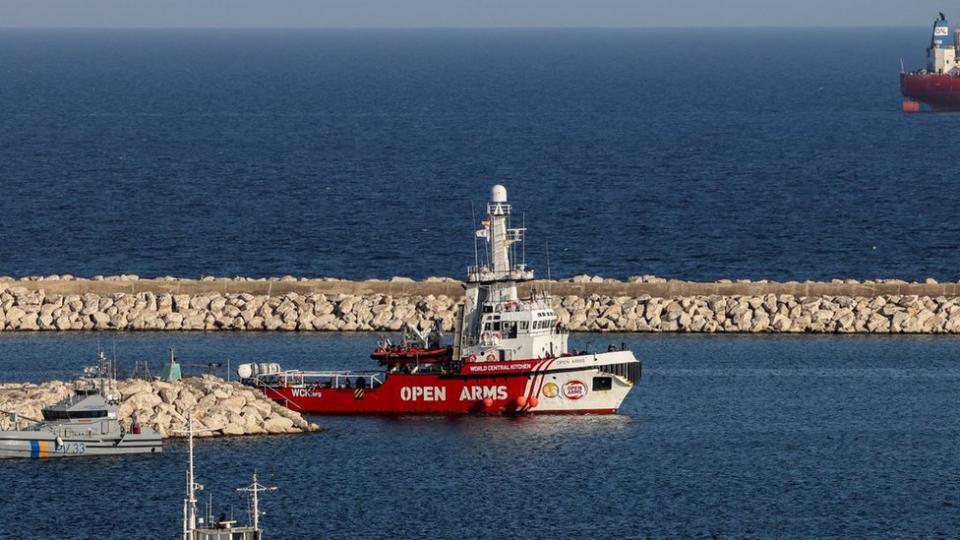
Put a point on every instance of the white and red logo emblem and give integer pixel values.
(574, 389)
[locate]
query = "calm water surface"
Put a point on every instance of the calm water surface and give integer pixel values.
(725, 436)
(777, 153)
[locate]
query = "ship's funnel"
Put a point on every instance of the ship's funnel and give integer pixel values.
(498, 194)
(941, 32)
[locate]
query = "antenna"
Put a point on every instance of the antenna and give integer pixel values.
(190, 502)
(476, 248)
(113, 364)
(523, 223)
(100, 367)
(254, 489)
(548, 260)
(902, 70)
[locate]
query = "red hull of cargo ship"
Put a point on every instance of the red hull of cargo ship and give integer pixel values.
(940, 92)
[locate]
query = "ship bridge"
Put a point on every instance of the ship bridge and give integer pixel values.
(495, 324)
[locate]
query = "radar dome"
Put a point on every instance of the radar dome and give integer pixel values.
(498, 194)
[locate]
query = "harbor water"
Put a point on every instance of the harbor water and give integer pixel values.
(725, 436)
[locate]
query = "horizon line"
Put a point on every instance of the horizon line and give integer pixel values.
(502, 27)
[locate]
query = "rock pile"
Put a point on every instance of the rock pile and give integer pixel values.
(22, 308)
(768, 313)
(226, 408)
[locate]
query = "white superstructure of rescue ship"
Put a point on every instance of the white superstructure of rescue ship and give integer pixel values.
(509, 355)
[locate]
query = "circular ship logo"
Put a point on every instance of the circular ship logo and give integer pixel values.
(574, 390)
(551, 390)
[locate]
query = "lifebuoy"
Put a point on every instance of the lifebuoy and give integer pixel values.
(491, 357)
(472, 358)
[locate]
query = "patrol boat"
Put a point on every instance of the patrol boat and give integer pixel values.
(83, 424)
(509, 355)
(222, 528)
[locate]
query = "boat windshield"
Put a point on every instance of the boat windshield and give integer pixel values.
(56, 414)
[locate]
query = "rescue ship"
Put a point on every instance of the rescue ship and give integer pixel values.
(509, 355)
(938, 84)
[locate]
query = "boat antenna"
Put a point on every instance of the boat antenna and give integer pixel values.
(115, 373)
(523, 223)
(254, 489)
(548, 268)
(190, 502)
(100, 367)
(476, 248)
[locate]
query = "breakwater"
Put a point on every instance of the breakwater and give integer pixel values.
(583, 303)
(222, 407)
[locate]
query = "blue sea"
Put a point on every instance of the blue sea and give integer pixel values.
(693, 154)
(724, 437)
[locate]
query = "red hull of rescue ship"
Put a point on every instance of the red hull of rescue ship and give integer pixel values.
(576, 384)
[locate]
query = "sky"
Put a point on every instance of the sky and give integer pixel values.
(468, 13)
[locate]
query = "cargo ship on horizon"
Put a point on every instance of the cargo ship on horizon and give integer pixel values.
(938, 84)
(509, 355)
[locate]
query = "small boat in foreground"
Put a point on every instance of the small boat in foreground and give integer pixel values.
(509, 355)
(83, 424)
(223, 527)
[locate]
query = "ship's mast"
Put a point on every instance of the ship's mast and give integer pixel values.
(493, 283)
(254, 489)
(498, 211)
(190, 503)
(501, 274)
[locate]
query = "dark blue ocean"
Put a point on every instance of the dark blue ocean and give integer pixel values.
(696, 154)
(725, 437)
